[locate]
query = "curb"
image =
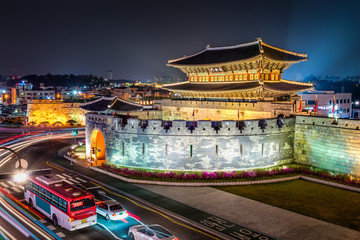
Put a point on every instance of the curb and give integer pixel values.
(184, 184)
(146, 203)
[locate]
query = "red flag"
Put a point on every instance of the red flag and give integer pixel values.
(300, 103)
(128, 115)
(193, 112)
(316, 104)
(333, 108)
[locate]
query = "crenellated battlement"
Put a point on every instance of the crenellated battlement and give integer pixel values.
(329, 122)
(202, 127)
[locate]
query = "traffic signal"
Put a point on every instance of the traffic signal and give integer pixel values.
(93, 150)
(75, 132)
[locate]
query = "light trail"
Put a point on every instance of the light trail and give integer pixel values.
(19, 146)
(154, 211)
(24, 219)
(109, 231)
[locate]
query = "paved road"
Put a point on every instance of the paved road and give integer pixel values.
(39, 153)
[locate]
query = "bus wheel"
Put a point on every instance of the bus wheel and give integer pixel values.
(54, 219)
(131, 236)
(107, 217)
(30, 202)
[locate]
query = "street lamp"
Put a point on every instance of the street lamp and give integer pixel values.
(21, 165)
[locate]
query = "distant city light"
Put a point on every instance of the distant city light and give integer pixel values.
(357, 103)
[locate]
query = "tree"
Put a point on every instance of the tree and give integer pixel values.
(71, 122)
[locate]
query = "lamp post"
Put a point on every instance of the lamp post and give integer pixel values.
(21, 164)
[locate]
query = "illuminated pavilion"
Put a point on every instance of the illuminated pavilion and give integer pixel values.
(248, 71)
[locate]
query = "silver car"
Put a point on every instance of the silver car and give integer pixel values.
(111, 210)
(150, 232)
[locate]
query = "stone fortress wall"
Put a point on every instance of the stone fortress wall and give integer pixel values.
(174, 145)
(54, 111)
(328, 143)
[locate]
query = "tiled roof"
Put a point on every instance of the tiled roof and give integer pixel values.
(111, 103)
(278, 86)
(98, 105)
(237, 53)
(287, 86)
(213, 87)
(120, 105)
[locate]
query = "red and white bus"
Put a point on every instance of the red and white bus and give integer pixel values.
(66, 205)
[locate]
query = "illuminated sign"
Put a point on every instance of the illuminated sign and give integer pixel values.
(77, 204)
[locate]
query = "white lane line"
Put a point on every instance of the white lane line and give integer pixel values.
(21, 187)
(60, 176)
(4, 185)
(11, 183)
(42, 221)
(60, 234)
(16, 189)
(109, 231)
(81, 180)
(66, 175)
(68, 182)
(72, 181)
(51, 227)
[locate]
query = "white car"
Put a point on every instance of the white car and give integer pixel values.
(150, 232)
(111, 210)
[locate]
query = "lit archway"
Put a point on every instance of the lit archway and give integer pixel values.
(98, 144)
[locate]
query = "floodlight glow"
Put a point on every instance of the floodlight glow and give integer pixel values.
(74, 92)
(357, 103)
(20, 177)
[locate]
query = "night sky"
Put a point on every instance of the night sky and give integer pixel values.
(135, 39)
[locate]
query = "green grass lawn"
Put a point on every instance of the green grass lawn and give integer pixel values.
(315, 200)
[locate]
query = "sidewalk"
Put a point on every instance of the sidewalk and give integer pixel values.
(276, 222)
(218, 210)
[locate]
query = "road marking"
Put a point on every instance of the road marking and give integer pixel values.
(42, 221)
(11, 183)
(81, 180)
(60, 234)
(54, 166)
(21, 187)
(16, 189)
(93, 187)
(4, 185)
(73, 180)
(104, 195)
(68, 182)
(109, 231)
(152, 210)
(51, 227)
(66, 175)
(60, 176)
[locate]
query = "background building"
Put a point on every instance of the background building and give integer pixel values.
(326, 107)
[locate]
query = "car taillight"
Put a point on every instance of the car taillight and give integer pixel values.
(114, 214)
(92, 214)
(71, 219)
